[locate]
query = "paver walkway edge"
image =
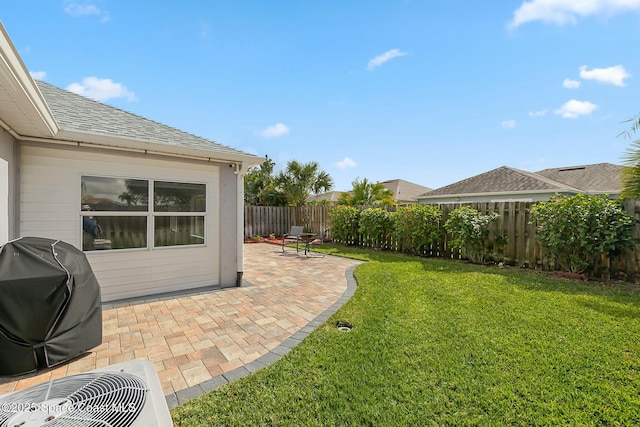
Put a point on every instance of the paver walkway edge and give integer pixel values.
(181, 396)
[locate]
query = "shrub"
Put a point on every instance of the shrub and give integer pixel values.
(375, 226)
(576, 229)
(417, 228)
(344, 224)
(469, 229)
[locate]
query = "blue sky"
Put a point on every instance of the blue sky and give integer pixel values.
(427, 91)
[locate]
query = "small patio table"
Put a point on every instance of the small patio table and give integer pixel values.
(307, 238)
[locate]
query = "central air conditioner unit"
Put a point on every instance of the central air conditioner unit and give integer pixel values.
(127, 394)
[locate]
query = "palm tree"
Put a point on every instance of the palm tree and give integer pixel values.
(366, 193)
(631, 159)
(260, 187)
(300, 180)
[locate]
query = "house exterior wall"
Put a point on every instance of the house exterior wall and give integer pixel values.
(7, 186)
(50, 207)
(229, 217)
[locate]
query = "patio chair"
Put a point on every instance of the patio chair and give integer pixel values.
(294, 236)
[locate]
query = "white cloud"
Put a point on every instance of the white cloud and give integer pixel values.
(571, 84)
(561, 12)
(85, 8)
(278, 129)
(572, 109)
(381, 59)
(612, 75)
(101, 89)
(346, 163)
(508, 124)
(38, 75)
(538, 113)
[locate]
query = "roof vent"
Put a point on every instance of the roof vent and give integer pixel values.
(576, 168)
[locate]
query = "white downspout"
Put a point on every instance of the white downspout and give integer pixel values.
(241, 170)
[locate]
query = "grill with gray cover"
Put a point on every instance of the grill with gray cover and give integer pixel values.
(50, 305)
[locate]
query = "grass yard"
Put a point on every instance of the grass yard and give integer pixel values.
(439, 342)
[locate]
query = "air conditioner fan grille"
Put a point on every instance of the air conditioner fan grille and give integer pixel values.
(92, 399)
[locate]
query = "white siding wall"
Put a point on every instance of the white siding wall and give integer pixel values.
(50, 207)
(6, 186)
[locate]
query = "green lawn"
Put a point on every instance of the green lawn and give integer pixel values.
(439, 342)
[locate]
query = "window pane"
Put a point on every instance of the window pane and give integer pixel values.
(179, 197)
(179, 230)
(113, 232)
(114, 194)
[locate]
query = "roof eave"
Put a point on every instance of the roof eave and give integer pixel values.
(602, 192)
(130, 144)
(499, 193)
(21, 87)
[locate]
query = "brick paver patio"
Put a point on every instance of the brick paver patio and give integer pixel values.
(200, 340)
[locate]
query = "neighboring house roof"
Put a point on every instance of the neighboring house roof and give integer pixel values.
(404, 191)
(401, 191)
(330, 197)
(502, 179)
(598, 178)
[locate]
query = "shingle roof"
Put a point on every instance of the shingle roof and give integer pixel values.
(601, 177)
(402, 190)
(76, 113)
(502, 179)
(330, 196)
(597, 178)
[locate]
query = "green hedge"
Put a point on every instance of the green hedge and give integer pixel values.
(375, 227)
(345, 221)
(417, 228)
(575, 229)
(469, 230)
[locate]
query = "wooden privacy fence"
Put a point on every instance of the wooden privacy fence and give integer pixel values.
(512, 238)
(512, 241)
(265, 220)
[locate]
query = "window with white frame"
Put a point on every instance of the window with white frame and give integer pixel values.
(116, 213)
